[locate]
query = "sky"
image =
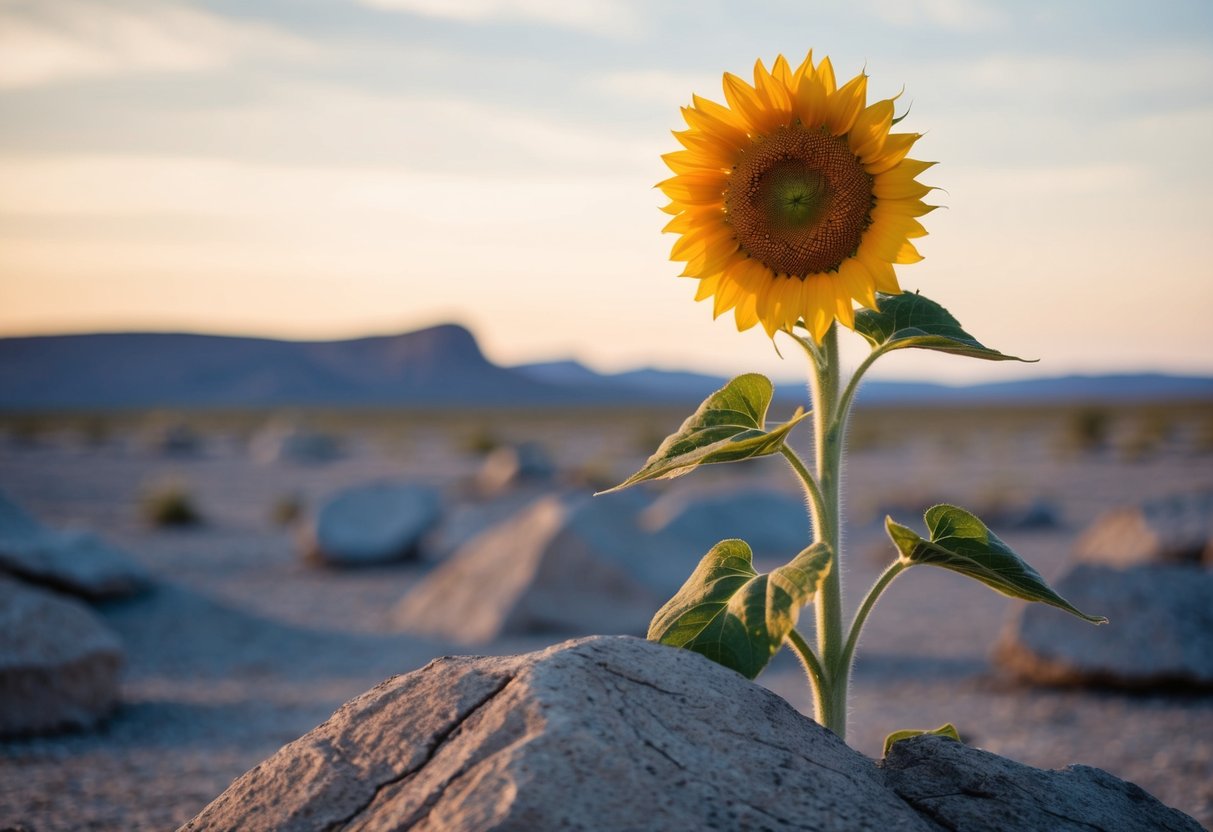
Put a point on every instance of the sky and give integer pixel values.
(332, 168)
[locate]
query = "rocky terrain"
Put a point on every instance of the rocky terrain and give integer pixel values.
(243, 644)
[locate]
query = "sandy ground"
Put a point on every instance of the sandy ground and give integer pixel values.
(242, 647)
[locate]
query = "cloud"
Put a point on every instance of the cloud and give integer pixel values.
(657, 85)
(959, 15)
(613, 17)
(63, 40)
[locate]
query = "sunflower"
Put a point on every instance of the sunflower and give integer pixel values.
(794, 200)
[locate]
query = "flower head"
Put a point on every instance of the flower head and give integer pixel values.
(795, 200)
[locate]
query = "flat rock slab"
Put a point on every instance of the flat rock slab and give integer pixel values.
(1160, 630)
(964, 788)
(74, 562)
(373, 524)
(1169, 530)
(566, 564)
(615, 733)
(59, 663)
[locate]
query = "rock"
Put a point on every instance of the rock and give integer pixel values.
(465, 519)
(511, 465)
(1160, 632)
(960, 787)
(566, 564)
(278, 443)
(1177, 529)
(59, 663)
(173, 439)
(600, 734)
(373, 524)
(615, 733)
(774, 523)
(74, 562)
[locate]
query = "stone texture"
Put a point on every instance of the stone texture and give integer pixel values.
(1160, 630)
(963, 788)
(59, 663)
(774, 523)
(566, 564)
(1171, 530)
(600, 734)
(372, 524)
(73, 562)
(615, 733)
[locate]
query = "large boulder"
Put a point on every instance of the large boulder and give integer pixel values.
(774, 523)
(1170, 530)
(74, 562)
(566, 564)
(373, 524)
(59, 663)
(1160, 632)
(286, 443)
(621, 734)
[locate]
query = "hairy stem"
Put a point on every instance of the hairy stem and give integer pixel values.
(812, 667)
(861, 616)
(828, 425)
(816, 504)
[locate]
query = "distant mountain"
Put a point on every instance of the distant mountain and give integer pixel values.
(439, 366)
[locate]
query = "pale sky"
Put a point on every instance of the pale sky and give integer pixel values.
(332, 168)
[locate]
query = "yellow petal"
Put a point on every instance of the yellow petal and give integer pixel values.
(844, 310)
(690, 161)
(783, 73)
(907, 254)
(895, 148)
(746, 312)
(773, 94)
(881, 271)
(846, 105)
(727, 296)
(805, 68)
(825, 71)
(707, 287)
(857, 282)
(811, 101)
(871, 128)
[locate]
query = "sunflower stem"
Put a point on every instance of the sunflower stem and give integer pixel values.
(816, 503)
(829, 425)
(812, 667)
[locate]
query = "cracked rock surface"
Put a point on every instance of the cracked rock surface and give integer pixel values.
(615, 733)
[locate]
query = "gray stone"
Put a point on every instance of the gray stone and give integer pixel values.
(283, 443)
(774, 523)
(565, 564)
(373, 524)
(59, 663)
(1170, 530)
(512, 465)
(963, 788)
(1160, 630)
(615, 733)
(600, 734)
(74, 562)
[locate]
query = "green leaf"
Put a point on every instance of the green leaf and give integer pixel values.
(961, 542)
(945, 730)
(729, 426)
(735, 616)
(909, 321)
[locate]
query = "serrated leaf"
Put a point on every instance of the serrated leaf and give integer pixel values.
(910, 320)
(729, 426)
(945, 730)
(735, 616)
(961, 542)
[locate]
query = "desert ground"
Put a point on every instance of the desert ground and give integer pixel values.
(242, 646)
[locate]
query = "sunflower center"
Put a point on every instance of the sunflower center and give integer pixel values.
(799, 201)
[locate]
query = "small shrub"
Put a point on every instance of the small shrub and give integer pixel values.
(170, 506)
(286, 510)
